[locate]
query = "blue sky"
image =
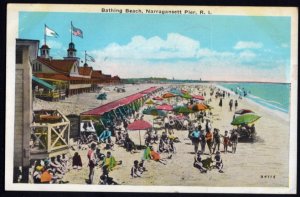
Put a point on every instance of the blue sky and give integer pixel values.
(211, 47)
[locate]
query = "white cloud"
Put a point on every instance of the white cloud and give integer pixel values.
(174, 46)
(247, 45)
(247, 55)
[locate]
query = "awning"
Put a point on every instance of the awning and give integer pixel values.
(118, 103)
(43, 83)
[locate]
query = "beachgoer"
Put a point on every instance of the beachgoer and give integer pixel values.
(135, 170)
(208, 126)
(105, 135)
(220, 102)
(209, 140)
(219, 162)
(92, 162)
(46, 176)
(225, 141)
(216, 140)
(171, 125)
(129, 144)
(38, 170)
(105, 179)
(202, 141)
(230, 104)
(195, 136)
(198, 162)
(166, 122)
(235, 104)
(234, 140)
(110, 161)
(77, 163)
(156, 156)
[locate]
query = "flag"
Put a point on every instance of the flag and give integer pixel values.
(50, 32)
(77, 32)
(90, 58)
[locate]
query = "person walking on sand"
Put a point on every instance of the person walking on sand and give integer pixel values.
(195, 136)
(220, 102)
(202, 141)
(92, 162)
(225, 141)
(234, 140)
(230, 104)
(235, 104)
(216, 140)
(209, 140)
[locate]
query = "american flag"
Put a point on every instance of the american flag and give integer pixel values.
(77, 32)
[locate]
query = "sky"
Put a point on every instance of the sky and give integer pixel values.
(210, 47)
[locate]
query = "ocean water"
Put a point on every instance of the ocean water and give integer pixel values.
(275, 96)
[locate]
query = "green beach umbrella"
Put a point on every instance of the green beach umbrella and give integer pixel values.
(154, 112)
(245, 119)
(186, 96)
(183, 109)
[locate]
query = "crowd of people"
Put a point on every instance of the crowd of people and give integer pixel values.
(208, 142)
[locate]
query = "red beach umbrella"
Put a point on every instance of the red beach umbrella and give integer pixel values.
(198, 97)
(158, 98)
(165, 107)
(244, 111)
(139, 125)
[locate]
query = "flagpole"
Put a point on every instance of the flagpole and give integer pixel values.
(85, 57)
(71, 32)
(45, 34)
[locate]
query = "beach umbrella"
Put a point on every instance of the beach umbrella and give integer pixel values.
(139, 125)
(183, 109)
(198, 107)
(165, 107)
(157, 98)
(168, 95)
(154, 112)
(184, 91)
(245, 119)
(243, 111)
(150, 102)
(175, 91)
(186, 96)
(198, 97)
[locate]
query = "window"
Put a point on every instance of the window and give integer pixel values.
(19, 55)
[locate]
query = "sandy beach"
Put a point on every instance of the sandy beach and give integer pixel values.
(252, 161)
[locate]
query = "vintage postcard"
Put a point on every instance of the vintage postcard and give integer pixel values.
(151, 98)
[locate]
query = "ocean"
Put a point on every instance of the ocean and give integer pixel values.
(275, 96)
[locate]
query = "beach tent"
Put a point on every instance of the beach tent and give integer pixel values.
(245, 119)
(139, 125)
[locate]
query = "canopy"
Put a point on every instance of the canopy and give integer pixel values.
(165, 107)
(198, 97)
(243, 111)
(245, 119)
(114, 105)
(43, 83)
(139, 125)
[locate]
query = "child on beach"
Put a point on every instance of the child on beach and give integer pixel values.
(135, 170)
(219, 162)
(198, 162)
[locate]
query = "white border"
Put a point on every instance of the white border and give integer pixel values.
(12, 27)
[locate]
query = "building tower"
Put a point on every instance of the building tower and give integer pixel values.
(45, 52)
(71, 52)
